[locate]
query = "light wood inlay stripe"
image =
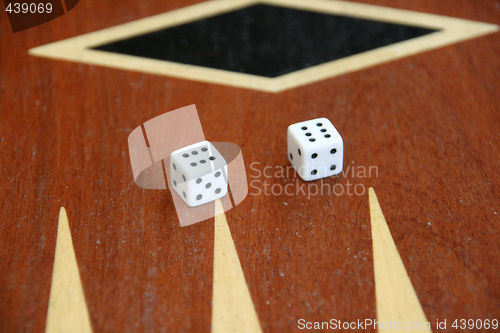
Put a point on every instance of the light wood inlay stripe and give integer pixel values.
(396, 298)
(67, 312)
(452, 30)
(233, 310)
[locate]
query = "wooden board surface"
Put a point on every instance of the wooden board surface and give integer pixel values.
(429, 123)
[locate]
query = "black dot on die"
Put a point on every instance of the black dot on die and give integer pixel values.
(217, 174)
(327, 135)
(333, 167)
(314, 172)
(300, 154)
(312, 139)
(333, 151)
(203, 161)
(304, 128)
(185, 155)
(291, 156)
(204, 149)
(194, 164)
(175, 183)
(323, 130)
(208, 185)
(211, 158)
(319, 124)
(184, 194)
(198, 180)
(194, 152)
(198, 197)
(308, 134)
(175, 168)
(217, 191)
(314, 155)
(184, 177)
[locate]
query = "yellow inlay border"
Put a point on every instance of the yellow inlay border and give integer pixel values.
(451, 30)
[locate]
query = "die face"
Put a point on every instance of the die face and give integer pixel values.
(196, 160)
(315, 149)
(296, 154)
(204, 189)
(201, 183)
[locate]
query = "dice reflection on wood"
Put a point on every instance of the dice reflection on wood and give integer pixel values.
(315, 149)
(198, 173)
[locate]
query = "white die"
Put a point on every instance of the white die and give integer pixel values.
(315, 149)
(198, 173)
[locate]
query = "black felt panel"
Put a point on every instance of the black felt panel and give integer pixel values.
(265, 40)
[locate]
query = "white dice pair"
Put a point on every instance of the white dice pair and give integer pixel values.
(315, 149)
(198, 173)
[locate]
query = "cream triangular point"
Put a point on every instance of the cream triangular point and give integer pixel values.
(233, 310)
(396, 299)
(67, 310)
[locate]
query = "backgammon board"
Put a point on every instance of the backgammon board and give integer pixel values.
(407, 234)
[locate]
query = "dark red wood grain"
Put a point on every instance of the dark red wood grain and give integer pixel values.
(429, 123)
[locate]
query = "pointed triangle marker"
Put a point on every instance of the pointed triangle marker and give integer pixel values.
(67, 310)
(232, 307)
(395, 297)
